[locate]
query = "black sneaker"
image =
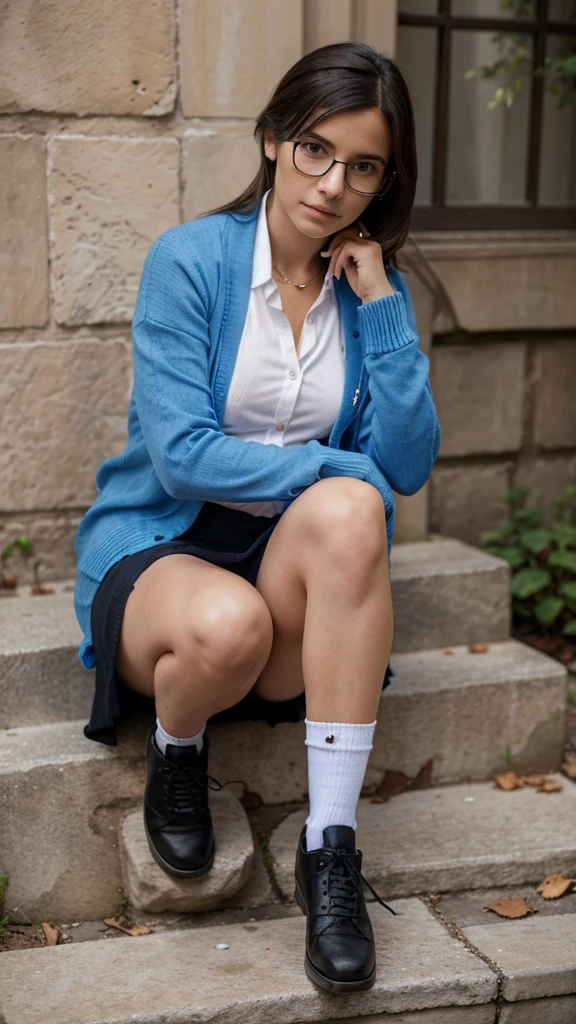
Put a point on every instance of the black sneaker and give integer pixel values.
(177, 817)
(340, 950)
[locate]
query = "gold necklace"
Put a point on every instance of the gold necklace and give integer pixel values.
(287, 281)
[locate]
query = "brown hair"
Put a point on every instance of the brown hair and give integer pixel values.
(343, 76)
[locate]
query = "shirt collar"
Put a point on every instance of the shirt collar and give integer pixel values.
(262, 259)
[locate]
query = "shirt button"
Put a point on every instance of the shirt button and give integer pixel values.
(280, 426)
(355, 334)
(309, 319)
(293, 375)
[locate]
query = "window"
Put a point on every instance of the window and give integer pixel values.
(493, 85)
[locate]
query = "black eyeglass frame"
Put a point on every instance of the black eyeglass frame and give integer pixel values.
(380, 192)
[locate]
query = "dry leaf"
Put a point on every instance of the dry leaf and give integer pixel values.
(550, 787)
(569, 769)
(447, 652)
(393, 783)
(130, 929)
(435, 900)
(509, 780)
(39, 589)
(423, 779)
(52, 934)
(478, 648)
(535, 780)
(511, 906)
(554, 886)
(250, 801)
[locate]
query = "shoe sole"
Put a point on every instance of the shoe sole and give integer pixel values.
(177, 872)
(321, 979)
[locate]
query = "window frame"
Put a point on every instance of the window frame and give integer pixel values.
(477, 217)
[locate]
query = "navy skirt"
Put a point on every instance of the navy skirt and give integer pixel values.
(229, 538)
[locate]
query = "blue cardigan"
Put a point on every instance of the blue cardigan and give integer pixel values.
(188, 322)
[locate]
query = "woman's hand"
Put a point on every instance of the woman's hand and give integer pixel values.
(362, 261)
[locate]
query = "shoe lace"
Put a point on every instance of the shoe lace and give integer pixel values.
(344, 879)
(183, 789)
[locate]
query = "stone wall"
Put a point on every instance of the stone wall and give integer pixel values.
(119, 120)
(503, 374)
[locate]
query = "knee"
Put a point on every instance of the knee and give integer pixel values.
(348, 516)
(232, 635)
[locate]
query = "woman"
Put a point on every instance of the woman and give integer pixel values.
(279, 394)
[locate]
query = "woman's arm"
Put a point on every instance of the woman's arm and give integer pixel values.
(191, 455)
(399, 428)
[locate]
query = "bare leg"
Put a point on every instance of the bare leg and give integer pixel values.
(325, 578)
(195, 637)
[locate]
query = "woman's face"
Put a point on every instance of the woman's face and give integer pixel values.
(351, 135)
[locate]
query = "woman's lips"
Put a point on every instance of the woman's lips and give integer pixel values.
(319, 212)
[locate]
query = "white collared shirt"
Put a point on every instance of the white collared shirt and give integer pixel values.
(276, 396)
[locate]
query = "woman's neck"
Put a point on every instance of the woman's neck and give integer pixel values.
(297, 256)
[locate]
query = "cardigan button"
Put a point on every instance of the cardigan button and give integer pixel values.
(355, 334)
(159, 538)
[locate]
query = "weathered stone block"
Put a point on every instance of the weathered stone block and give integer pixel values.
(220, 161)
(419, 966)
(547, 477)
(555, 409)
(62, 406)
(479, 393)
(52, 537)
(539, 270)
(109, 199)
(536, 956)
(148, 887)
(62, 797)
(464, 500)
(23, 230)
(467, 837)
(551, 1010)
(87, 58)
(232, 56)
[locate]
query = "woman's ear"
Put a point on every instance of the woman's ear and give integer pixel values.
(270, 147)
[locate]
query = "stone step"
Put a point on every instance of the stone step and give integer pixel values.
(444, 592)
(72, 839)
(463, 711)
(453, 837)
(424, 976)
(468, 712)
(148, 887)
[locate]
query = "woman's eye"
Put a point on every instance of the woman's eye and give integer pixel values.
(364, 167)
(312, 147)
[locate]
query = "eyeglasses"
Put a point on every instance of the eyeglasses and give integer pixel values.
(366, 177)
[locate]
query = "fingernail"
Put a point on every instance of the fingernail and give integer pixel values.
(327, 253)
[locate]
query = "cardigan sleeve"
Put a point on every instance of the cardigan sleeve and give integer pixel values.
(399, 428)
(192, 457)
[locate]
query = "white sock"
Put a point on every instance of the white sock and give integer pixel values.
(337, 757)
(162, 738)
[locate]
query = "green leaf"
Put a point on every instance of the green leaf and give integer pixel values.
(563, 560)
(568, 589)
(564, 534)
(535, 540)
(548, 610)
(504, 531)
(570, 628)
(513, 555)
(531, 518)
(529, 581)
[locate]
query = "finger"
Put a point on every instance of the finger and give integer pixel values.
(335, 255)
(363, 229)
(346, 253)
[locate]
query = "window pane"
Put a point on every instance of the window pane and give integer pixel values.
(486, 161)
(417, 6)
(561, 10)
(558, 147)
(494, 8)
(416, 58)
